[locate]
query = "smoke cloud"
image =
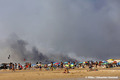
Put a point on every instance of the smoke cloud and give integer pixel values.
(81, 28)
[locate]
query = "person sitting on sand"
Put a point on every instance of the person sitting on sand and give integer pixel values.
(46, 67)
(90, 66)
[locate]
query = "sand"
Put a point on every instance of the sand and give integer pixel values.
(56, 74)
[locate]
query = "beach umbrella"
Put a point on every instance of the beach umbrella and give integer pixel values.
(86, 62)
(66, 65)
(114, 62)
(49, 64)
(80, 62)
(56, 63)
(42, 65)
(111, 59)
(118, 63)
(72, 65)
(65, 62)
(33, 65)
(104, 61)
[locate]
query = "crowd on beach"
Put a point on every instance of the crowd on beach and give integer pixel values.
(91, 65)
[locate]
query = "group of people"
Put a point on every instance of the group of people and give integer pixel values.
(90, 64)
(15, 66)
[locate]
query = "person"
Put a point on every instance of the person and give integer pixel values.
(67, 68)
(82, 65)
(51, 66)
(61, 65)
(19, 66)
(40, 66)
(74, 64)
(9, 66)
(96, 64)
(16, 66)
(37, 65)
(5, 66)
(30, 65)
(13, 68)
(46, 67)
(69, 65)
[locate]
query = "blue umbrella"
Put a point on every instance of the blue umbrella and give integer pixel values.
(33, 64)
(54, 62)
(80, 62)
(104, 61)
(118, 63)
(65, 62)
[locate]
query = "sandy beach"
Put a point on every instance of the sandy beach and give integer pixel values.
(56, 74)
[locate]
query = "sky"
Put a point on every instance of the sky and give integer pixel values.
(78, 28)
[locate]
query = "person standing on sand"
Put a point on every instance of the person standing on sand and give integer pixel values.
(19, 66)
(16, 66)
(69, 65)
(74, 64)
(96, 63)
(13, 68)
(51, 66)
(40, 66)
(61, 65)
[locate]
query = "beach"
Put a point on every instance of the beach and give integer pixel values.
(75, 74)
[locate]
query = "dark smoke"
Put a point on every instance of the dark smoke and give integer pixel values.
(19, 52)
